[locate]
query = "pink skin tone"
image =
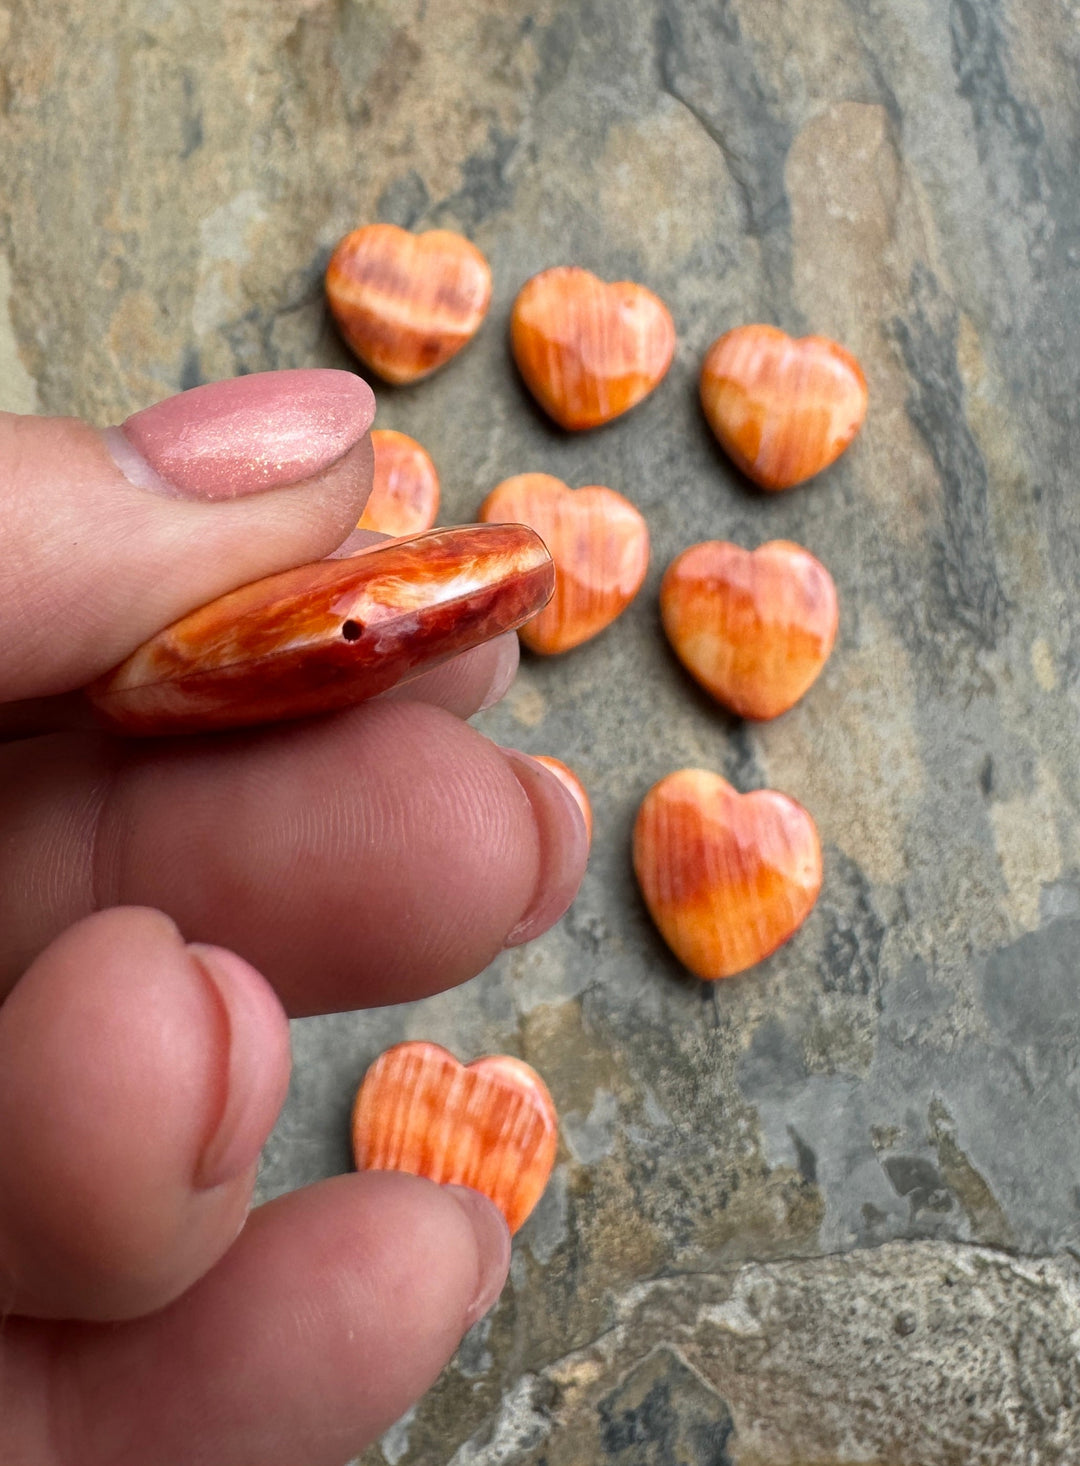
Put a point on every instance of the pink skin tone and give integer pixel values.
(240, 437)
(126, 1163)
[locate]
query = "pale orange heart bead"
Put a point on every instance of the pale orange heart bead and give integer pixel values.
(727, 877)
(406, 303)
(599, 543)
(404, 496)
(754, 627)
(782, 409)
(589, 351)
(490, 1124)
(570, 780)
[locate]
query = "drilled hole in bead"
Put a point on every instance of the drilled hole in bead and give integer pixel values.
(351, 630)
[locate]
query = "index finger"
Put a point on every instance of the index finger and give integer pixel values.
(370, 857)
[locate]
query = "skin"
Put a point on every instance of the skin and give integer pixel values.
(148, 964)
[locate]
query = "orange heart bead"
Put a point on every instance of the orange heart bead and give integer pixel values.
(782, 409)
(406, 303)
(754, 627)
(727, 877)
(404, 496)
(330, 634)
(599, 543)
(570, 780)
(490, 1125)
(589, 351)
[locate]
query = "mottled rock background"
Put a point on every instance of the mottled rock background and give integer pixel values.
(824, 1213)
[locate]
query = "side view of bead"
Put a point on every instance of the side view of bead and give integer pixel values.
(330, 634)
(490, 1124)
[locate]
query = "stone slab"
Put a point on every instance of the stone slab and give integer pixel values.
(895, 1091)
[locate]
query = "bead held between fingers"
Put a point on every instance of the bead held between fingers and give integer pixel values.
(330, 634)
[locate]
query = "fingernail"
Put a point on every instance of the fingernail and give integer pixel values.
(569, 780)
(256, 1048)
(492, 1248)
(244, 435)
(564, 846)
(508, 655)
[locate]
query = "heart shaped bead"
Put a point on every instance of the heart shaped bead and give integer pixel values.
(490, 1125)
(598, 541)
(404, 496)
(570, 780)
(406, 303)
(727, 877)
(330, 634)
(589, 351)
(782, 409)
(754, 627)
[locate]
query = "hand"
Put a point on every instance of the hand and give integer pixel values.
(369, 857)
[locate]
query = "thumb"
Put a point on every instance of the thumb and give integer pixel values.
(110, 536)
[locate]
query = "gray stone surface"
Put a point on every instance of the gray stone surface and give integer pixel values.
(906, 1353)
(765, 1240)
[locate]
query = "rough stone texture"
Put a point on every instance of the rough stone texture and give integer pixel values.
(905, 1353)
(765, 1239)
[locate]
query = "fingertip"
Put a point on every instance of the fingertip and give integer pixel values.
(211, 490)
(506, 654)
(564, 846)
(492, 1238)
(137, 1083)
(467, 684)
(342, 1302)
(255, 1074)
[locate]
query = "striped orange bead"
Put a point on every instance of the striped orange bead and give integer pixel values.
(589, 351)
(727, 877)
(329, 634)
(490, 1124)
(404, 496)
(406, 303)
(754, 627)
(782, 409)
(599, 543)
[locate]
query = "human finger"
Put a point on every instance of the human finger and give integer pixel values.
(139, 1078)
(110, 536)
(375, 856)
(334, 1310)
(466, 684)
